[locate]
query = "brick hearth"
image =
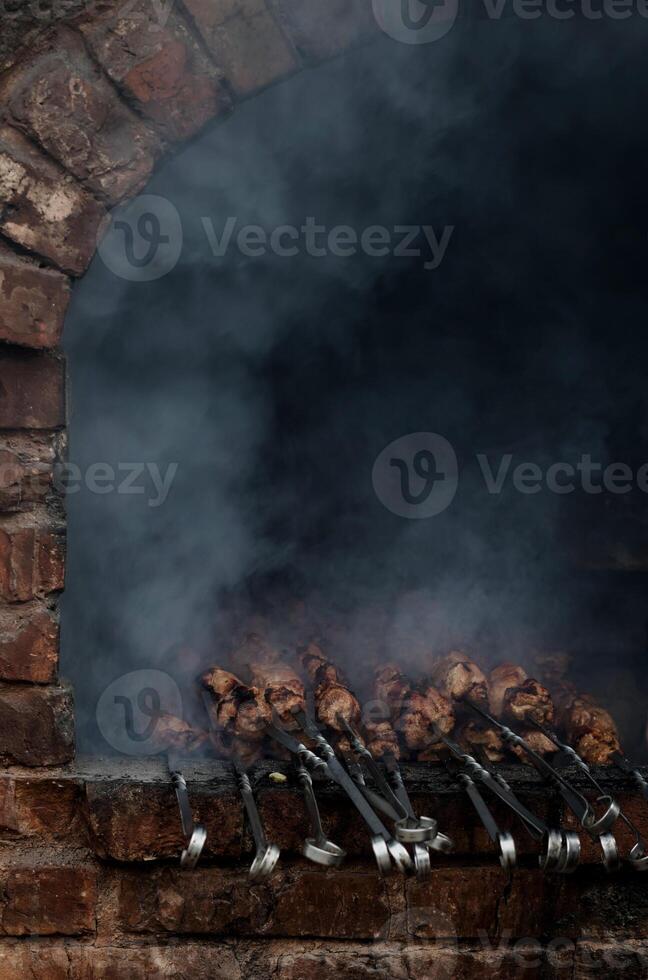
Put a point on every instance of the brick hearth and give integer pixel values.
(89, 878)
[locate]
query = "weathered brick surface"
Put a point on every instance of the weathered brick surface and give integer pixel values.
(29, 636)
(600, 907)
(313, 960)
(322, 30)
(32, 390)
(44, 901)
(139, 822)
(27, 463)
(60, 99)
(41, 807)
(33, 301)
(36, 725)
(245, 41)
(32, 560)
(44, 209)
(611, 960)
(158, 65)
(293, 902)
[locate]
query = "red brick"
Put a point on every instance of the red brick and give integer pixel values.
(42, 807)
(295, 901)
(160, 67)
(27, 462)
(322, 30)
(60, 99)
(467, 902)
(44, 209)
(207, 961)
(29, 639)
(33, 301)
(32, 390)
(140, 821)
(41, 901)
(245, 41)
(36, 725)
(32, 561)
(610, 960)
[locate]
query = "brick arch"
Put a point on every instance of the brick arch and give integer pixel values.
(90, 108)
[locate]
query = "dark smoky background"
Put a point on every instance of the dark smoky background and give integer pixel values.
(275, 382)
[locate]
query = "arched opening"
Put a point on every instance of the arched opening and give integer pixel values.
(274, 381)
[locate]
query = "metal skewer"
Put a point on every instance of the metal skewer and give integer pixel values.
(440, 842)
(317, 848)
(502, 839)
(383, 844)
(194, 833)
(561, 848)
(267, 854)
(597, 828)
(409, 830)
(576, 802)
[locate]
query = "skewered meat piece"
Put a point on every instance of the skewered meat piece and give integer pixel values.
(334, 700)
(423, 709)
(516, 698)
(253, 715)
(536, 741)
(320, 670)
(234, 707)
(481, 739)
(172, 733)
(382, 740)
(283, 690)
(457, 677)
(221, 683)
(224, 693)
(502, 678)
(590, 729)
(392, 688)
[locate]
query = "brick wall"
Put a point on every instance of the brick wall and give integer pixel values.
(89, 884)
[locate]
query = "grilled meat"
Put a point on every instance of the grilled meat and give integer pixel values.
(536, 741)
(392, 688)
(283, 690)
(320, 670)
(174, 734)
(234, 707)
(589, 729)
(382, 740)
(482, 739)
(500, 680)
(334, 700)
(425, 708)
(516, 698)
(458, 678)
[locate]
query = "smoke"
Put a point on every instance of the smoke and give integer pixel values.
(274, 382)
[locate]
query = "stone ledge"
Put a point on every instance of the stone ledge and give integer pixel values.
(131, 812)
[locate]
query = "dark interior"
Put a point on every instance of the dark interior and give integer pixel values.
(275, 382)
